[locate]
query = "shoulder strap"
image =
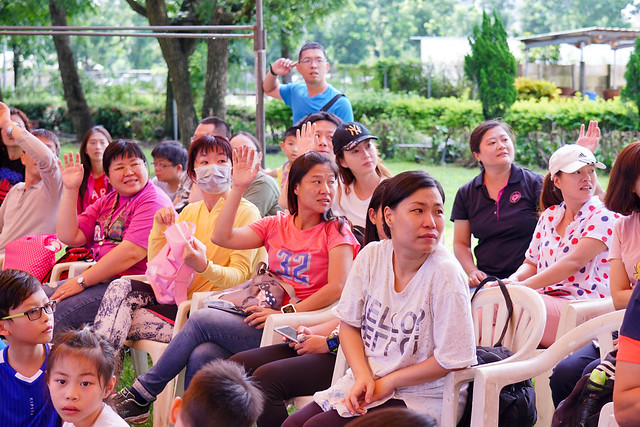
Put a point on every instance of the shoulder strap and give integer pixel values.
(507, 299)
(332, 101)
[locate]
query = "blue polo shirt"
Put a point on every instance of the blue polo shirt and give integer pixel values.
(296, 96)
(503, 229)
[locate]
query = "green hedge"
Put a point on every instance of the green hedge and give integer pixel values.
(444, 124)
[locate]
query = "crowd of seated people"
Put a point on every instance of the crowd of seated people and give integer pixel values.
(337, 227)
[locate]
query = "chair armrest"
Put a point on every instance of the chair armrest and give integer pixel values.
(181, 317)
(198, 299)
(74, 268)
(576, 312)
(307, 318)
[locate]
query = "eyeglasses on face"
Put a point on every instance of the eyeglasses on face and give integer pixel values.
(161, 165)
(309, 61)
(121, 168)
(35, 313)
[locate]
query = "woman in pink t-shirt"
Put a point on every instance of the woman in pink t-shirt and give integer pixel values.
(309, 248)
(95, 183)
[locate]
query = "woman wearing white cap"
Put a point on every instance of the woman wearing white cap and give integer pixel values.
(567, 257)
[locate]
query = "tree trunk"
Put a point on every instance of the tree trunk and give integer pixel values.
(178, 63)
(168, 108)
(215, 81)
(16, 67)
(73, 94)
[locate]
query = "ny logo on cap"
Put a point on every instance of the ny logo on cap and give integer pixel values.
(354, 130)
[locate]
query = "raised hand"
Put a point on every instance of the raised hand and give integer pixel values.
(306, 138)
(72, 172)
(5, 116)
(245, 166)
(591, 137)
(283, 66)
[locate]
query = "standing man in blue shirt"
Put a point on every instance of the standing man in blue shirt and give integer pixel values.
(315, 94)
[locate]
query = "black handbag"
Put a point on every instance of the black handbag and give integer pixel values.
(517, 401)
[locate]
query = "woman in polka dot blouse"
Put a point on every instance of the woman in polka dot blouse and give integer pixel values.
(568, 255)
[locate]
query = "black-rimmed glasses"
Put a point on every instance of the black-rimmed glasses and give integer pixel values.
(35, 313)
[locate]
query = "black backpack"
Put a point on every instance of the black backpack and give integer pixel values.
(582, 407)
(517, 401)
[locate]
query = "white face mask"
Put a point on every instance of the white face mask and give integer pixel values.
(213, 179)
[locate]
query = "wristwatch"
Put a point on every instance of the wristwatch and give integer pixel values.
(81, 282)
(289, 308)
(9, 131)
(333, 342)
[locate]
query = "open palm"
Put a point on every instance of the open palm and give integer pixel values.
(245, 166)
(72, 171)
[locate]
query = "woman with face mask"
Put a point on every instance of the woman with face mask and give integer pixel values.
(209, 165)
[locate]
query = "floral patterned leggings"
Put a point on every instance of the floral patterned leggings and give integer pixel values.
(122, 315)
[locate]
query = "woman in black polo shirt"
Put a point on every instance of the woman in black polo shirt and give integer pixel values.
(500, 205)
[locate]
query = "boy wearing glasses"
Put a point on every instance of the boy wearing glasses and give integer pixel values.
(315, 94)
(26, 322)
(170, 165)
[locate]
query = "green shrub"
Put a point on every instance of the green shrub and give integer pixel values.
(536, 89)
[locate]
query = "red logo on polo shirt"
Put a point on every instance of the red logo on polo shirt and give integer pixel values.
(515, 197)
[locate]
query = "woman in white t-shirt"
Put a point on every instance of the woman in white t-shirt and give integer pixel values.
(405, 315)
(361, 170)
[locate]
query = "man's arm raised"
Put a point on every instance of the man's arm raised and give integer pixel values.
(281, 67)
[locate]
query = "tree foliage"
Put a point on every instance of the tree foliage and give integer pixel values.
(543, 16)
(632, 90)
(492, 67)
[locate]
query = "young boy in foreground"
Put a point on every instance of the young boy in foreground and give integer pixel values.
(220, 394)
(26, 322)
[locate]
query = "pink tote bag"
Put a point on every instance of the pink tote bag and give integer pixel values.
(167, 273)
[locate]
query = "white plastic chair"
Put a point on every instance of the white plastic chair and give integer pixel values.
(573, 313)
(74, 268)
(577, 312)
(491, 378)
(489, 312)
(607, 418)
(139, 351)
(307, 318)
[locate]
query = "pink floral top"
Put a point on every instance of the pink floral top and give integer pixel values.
(547, 247)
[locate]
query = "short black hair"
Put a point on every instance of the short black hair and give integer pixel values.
(221, 394)
(290, 132)
(87, 343)
(219, 124)
(173, 151)
(319, 116)
(309, 46)
(122, 148)
(47, 134)
(205, 144)
(15, 287)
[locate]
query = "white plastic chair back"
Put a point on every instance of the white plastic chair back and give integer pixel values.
(491, 378)
(523, 336)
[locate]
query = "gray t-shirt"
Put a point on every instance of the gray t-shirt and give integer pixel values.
(33, 210)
